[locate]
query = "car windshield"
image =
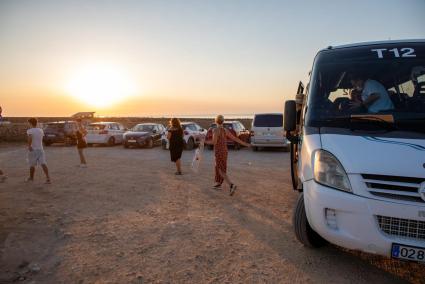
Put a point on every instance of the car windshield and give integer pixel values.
(96, 126)
(144, 128)
(268, 120)
(226, 125)
(386, 86)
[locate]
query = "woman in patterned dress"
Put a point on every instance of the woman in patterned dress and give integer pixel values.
(219, 140)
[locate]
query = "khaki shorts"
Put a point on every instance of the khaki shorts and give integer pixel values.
(36, 157)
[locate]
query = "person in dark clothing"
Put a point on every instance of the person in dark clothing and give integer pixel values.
(81, 142)
(175, 138)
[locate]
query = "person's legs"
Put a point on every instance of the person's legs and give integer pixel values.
(2, 176)
(82, 158)
(32, 171)
(179, 165)
(46, 172)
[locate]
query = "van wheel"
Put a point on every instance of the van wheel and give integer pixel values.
(255, 148)
(190, 144)
(111, 141)
(304, 233)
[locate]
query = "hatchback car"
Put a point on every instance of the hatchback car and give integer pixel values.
(108, 133)
(60, 132)
(144, 135)
(192, 135)
(236, 128)
(267, 131)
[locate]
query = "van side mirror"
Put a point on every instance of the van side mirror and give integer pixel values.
(290, 116)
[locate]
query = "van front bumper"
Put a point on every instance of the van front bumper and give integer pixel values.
(351, 221)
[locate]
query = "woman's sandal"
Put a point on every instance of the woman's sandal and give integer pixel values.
(232, 189)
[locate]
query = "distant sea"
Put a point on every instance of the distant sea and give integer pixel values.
(211, 116)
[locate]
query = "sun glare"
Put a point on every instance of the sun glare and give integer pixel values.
(101, 86)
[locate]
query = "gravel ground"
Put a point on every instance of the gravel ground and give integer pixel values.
(128, 219)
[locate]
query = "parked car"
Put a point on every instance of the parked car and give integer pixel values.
(108, 133)
(236, 128)
(192, 135)
(60, 132)
(144, 135)
(267, 131)
(360, 173)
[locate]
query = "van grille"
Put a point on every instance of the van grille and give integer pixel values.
(402, 227)
(394, 187)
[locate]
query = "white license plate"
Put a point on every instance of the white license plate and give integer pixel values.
(51, 135)
(132, 141)
(408, 253)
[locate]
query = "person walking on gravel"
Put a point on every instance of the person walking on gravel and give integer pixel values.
(175, 138)
(81, 143)
(219, 141)
(36, 154)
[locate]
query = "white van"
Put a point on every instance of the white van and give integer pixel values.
(358, 149)
(267, 131)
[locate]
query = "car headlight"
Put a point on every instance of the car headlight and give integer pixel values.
(329, 171)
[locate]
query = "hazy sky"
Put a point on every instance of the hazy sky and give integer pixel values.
(180, 57)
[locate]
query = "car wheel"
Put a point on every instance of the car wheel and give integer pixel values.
(89, 145)
(111, 141)
(255, 148)
(149, 144)
(47, 143)
(190, 144)
(125, 145)
(303, 231)
(210, 147)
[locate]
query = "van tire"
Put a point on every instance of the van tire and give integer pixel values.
(255, 148)
(303, 231)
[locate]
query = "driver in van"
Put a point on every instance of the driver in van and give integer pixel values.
(374, 96)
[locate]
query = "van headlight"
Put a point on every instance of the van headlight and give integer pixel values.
(329, 171)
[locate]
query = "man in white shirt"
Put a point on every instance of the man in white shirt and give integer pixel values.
(36, 154)
(375, 97)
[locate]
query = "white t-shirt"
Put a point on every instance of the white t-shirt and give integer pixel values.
(37, 138)
(374, 87)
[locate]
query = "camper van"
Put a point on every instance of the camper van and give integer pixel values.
(357, 135)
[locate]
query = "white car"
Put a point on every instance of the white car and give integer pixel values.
(108, 133)
(267, 131)
(358, 151)
(192, 135)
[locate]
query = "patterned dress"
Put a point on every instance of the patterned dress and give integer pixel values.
(220, 152)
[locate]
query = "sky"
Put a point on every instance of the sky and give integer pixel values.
(169, 57)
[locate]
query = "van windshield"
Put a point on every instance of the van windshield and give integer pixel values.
(268, 120)
(385, 85)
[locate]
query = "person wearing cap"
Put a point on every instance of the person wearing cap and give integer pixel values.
(219, 141)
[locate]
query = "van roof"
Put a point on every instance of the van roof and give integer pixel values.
(367, 43)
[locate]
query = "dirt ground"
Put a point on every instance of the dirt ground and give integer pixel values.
(128, 219)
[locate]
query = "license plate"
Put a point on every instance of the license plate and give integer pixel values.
(51, 135)
(408, 253)
(132, 141)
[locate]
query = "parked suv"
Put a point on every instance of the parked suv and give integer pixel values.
(60, 132)
(144, 135)
(236, 128)
(267, 131)
(192, 135)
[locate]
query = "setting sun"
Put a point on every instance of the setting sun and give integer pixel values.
(100, 85)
